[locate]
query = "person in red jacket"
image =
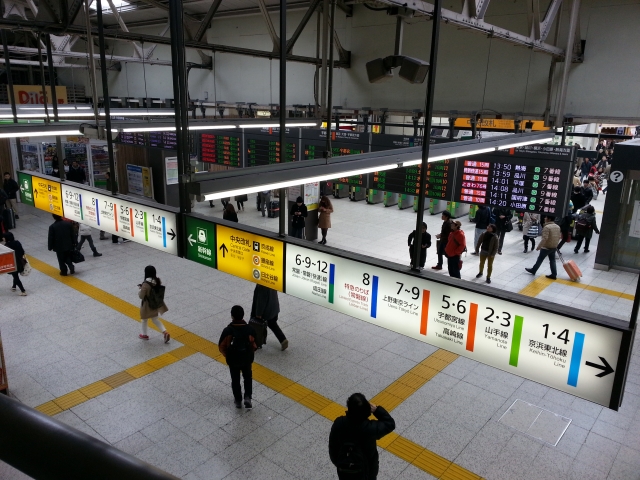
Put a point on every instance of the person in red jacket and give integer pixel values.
(455, 246)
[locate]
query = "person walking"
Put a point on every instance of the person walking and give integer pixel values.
(483, 219)
(324, 219)
(61, 240)
(151, 292)
(265, 200)
(85, 235)
(585, 168)
(488, 247)
(266, 307)
(298, 215)
(566, 226)
(11, 188)
(577, 199)
(16, 246)
(548, 246)
(76, 173)
(455, 246)
(530, 229)
(237, 345)
(587, 192)
(585, 226)
(443, 237)
(503, 224)
(240, 199)
(230, 213)
(425, 243)
(352, 441)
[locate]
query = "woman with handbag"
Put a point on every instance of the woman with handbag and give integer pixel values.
(152, 295)
(324, 218)
(16, 246)
(530, 229)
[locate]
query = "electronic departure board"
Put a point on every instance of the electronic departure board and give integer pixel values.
(263, 147)
(439, 180)
(167, 140)
(133, 138)
(534, 178)
(223, 148)
(389, 142)
(343, 142)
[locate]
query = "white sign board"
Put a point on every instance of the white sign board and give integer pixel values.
(551, 349)
(171, 169)
(149, 226)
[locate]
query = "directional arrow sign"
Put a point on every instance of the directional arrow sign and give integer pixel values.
(172, 234)
(224, 250)
(191, 240)
(201, 241)
(606, 368)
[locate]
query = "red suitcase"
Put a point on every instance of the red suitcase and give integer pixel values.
(571, 268)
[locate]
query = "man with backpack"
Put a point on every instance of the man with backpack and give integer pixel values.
(585, 226)
(352, 441)
(237, 344)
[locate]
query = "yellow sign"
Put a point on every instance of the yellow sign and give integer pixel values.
(499, 124)
(252, 257)
(32, 94)
(47, 195)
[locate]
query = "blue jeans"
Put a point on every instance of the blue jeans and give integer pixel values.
(544, 253)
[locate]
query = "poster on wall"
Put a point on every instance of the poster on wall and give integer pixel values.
(140, 223)
(171, 169)
(139, 180)
(561, 352)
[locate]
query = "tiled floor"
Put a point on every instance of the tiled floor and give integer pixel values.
(181, 418)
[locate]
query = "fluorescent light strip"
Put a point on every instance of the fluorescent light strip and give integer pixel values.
(297, 181)
(277, 125)
(522, 144)
(136, 113)
(445, 157)
(172, 129)
(49, 133)
(210, 127)
(59, 108)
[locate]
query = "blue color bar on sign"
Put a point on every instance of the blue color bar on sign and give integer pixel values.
(98, 211)
(576, 359)
(164, 233)
(374, 298)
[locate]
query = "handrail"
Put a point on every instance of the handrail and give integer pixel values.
(45, 448)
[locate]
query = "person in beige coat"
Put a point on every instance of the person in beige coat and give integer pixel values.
(324, 220)
(548, 246)
(146, 312)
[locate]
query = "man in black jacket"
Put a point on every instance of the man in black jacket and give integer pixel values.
(61, 241)
(76, 173)
(352, 441)
(443, 237)
(237, 344)
(298, 213)
(587, 192)
(266, 307)
(11, 188)
(503, 224)
(483, 216)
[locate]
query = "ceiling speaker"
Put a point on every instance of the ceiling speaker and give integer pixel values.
(377, 72)
(413, 70)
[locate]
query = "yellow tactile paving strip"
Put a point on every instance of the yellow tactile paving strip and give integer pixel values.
(539, 284)
(391, 397)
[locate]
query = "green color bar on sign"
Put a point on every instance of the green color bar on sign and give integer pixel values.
(515, 344)
(146, 228)
(331, 293)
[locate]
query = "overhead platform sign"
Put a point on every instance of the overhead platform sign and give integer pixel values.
(145, 223)
(565, 353)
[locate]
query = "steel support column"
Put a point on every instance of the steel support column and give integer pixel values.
(330, 82)
(92, 65)
(325, 45)
(54, 102)
(180, 95)
(105, 95)
(12, 94)
(428, 113)
(568, 56)
(303, 23)
(283, 109)
(42, 82)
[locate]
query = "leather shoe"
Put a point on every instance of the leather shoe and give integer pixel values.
(551, 277)
(530, 270)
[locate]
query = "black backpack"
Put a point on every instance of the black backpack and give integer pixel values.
(352, 464)
(240, 349)
(155, 297)
(582, 224)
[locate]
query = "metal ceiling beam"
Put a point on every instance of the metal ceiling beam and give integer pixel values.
(57, 29)
(270, 27)
(69, 54)
(550, 16)
(465, 20)
(204, 23)
(303, 23)
(162, 6)
(348, 9)
(479, 8)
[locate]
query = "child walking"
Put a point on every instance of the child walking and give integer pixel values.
(147, 309)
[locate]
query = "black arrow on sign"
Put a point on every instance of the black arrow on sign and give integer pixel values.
(606, 368)
(224, 250)
(172, 234)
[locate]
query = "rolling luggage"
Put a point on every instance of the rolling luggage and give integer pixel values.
(274, 209)
(9, 219)
(571, 268)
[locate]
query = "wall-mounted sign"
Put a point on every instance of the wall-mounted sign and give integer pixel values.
(140, 223)
(32, 94)
(171, 170)
(26, 189)
(565, 353)
(201, 241)
(47, 195)
(139, 180)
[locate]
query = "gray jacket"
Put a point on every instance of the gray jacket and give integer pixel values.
(265, 303)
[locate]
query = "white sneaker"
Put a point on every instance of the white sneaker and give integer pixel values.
(23, 294)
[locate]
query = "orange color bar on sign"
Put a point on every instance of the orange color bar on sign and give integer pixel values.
(471, 332)
(131, 220)
(425, 312)
(115, 215)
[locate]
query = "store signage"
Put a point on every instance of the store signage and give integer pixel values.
(564, 353)
(201, 241)
(500, 124)
(119, 216)
(249, 256)
(47, 195)
(32, 94)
